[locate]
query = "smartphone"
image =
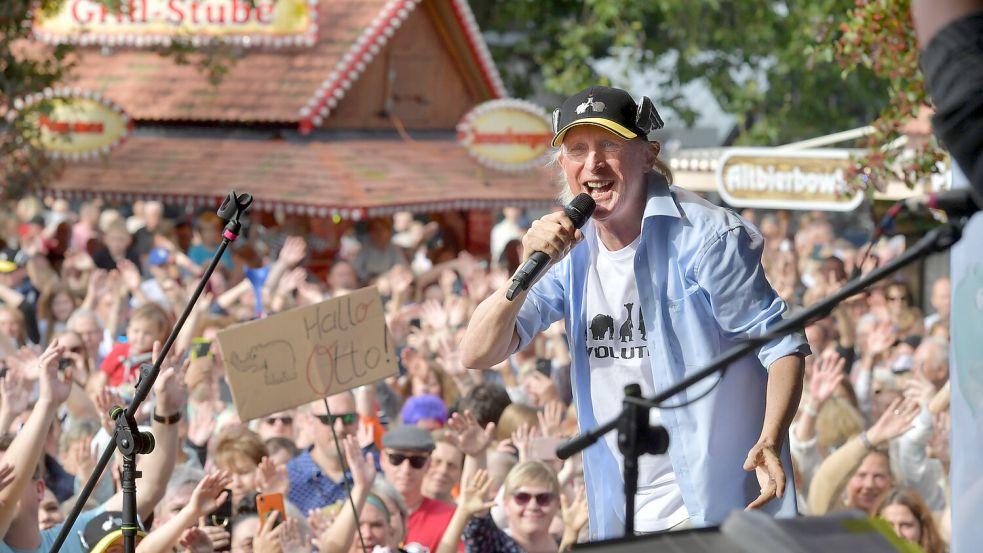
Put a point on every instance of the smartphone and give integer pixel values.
(200, 347)
(269, 503)
(544, 448)
(64, 363)
(544, 366)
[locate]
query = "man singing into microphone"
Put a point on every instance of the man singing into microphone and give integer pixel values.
(652, 288)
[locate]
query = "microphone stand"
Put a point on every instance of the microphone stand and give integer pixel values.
(128, 437)
(938, 239)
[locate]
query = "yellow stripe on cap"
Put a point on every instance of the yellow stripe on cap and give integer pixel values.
(608, 124)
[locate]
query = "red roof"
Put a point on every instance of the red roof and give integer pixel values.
(293, 84)
(353, 178)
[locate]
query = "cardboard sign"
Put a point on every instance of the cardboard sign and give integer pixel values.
(307, 353)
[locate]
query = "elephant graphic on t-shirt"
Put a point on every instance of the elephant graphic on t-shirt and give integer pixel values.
(600, 325)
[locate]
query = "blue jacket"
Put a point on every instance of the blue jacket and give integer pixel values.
(702, 290)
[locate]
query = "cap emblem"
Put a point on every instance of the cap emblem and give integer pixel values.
(596, 107)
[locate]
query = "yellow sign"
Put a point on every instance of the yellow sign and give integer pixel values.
(508, 135)
(795, 179)
(73, 124)
(150, 22)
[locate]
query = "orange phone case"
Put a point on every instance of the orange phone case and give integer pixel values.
(268, 503)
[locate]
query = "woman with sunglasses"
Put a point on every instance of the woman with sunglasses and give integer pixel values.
(532, 501)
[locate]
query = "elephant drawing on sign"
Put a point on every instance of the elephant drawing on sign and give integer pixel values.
(600, 325)
(275, 359)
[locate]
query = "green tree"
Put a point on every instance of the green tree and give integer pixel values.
(760, 59)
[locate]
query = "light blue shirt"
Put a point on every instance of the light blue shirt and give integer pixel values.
(703, 290)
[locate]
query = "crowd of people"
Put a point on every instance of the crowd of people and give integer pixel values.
(437, 458)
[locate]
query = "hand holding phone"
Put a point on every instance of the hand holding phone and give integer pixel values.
(267, 504)
(222, 516)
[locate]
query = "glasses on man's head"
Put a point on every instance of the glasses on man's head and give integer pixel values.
(346, 418)
(416, 461)
(543, 499)
(283, 420)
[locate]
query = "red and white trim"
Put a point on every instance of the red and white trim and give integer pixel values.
(479, 48)
(354, 62)
(312, 210)
(371, 42)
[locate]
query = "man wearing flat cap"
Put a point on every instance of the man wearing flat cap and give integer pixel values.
(405, 459)
(654, 286)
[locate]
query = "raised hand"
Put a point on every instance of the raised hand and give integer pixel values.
(54, 385)
(292, 280)
(272, 477)
(16, 397)
(105, 400)
(881, 338)
(319, 520)
(80, 452)
(6, 475)
(574, 512)
(361, 466)
(895, 421)
(522, 438)
(471, 438)
(209, 494)
(551, 419)
(170, 388)
(474, 495)
(433, 314)
(195, 540)
(269, 539)
(129, 273)
(219, 536)
(826, 378)
(293, 251)
(919, 390)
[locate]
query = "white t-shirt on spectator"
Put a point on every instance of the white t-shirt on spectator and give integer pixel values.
(618, 356)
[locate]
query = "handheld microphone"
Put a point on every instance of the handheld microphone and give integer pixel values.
(578, 210)
(956, 202)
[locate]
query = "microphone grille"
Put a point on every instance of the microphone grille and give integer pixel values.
(580, 209)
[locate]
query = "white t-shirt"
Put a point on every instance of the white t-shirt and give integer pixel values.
(618, 356)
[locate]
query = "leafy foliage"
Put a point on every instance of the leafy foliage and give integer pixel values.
(761, 60)
(879, 35)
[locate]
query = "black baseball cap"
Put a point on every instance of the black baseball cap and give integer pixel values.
(610, 108)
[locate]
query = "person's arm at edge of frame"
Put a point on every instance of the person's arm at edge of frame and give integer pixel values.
(932, 16)
(25, 451)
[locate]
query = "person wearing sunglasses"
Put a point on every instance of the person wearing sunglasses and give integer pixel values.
(532, 502)
(277, 425)
(405, 460)
(316, 475)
